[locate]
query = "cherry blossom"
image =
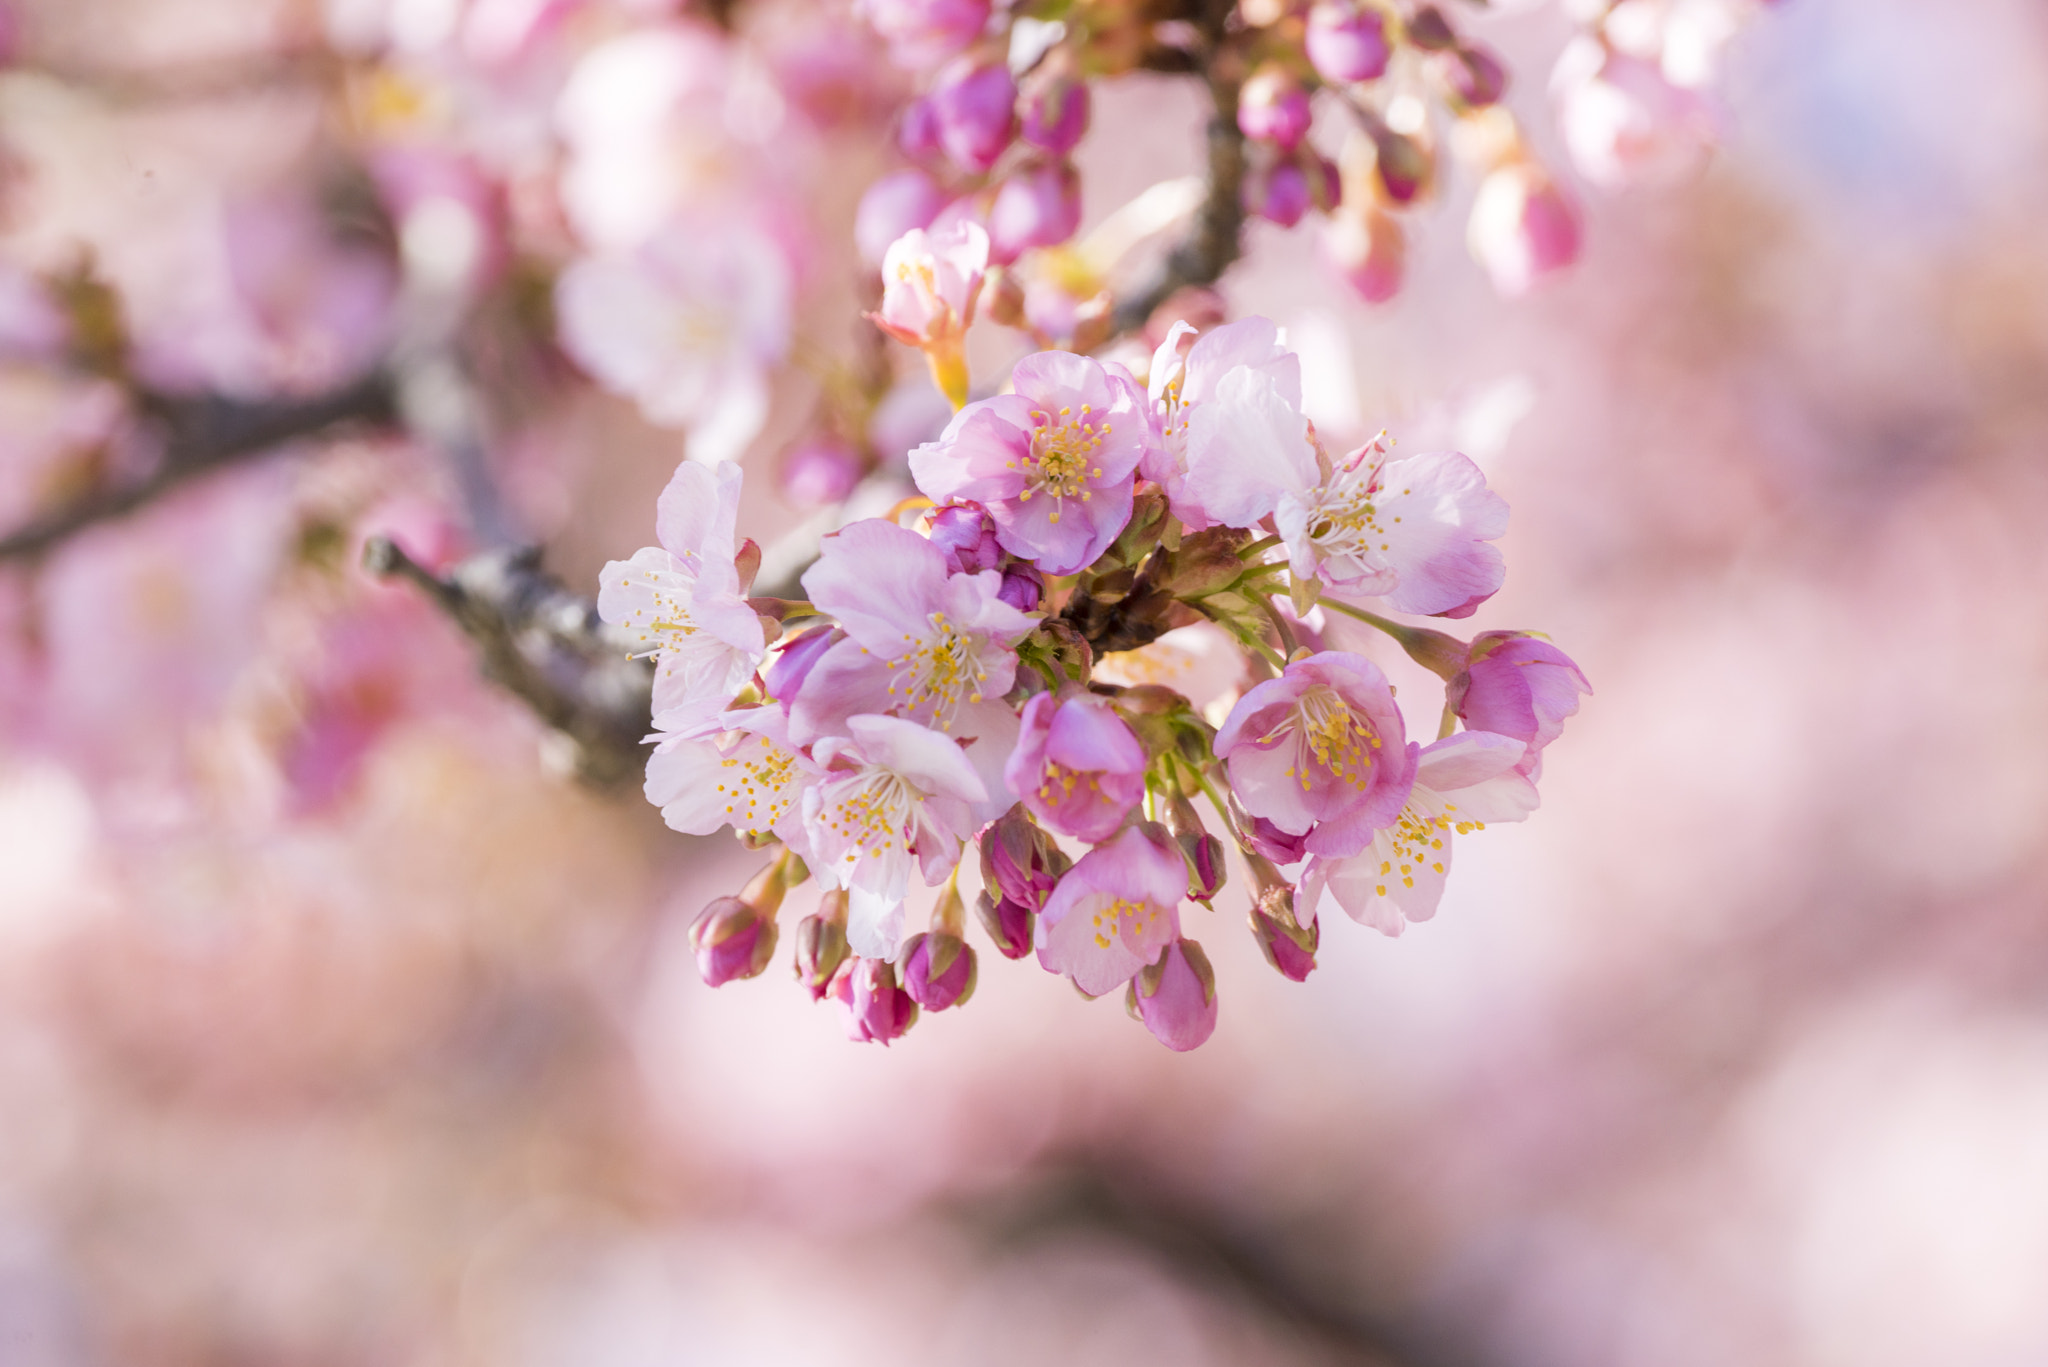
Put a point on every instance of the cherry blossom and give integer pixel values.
(1115, 911)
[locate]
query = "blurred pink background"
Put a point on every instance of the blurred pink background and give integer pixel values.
(337, 1028)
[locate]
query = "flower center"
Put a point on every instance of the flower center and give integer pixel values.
(1120, 916)
(1058, 782)
(870, 813)
(1062, 457)
(1346, 520)
(1417, 838)
(763, 790)
(1330, 737)
(663, 621)
(939, 671)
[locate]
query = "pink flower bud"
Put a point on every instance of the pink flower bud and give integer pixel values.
(1009, 924)
(732, 940)
(1273, 108)
(1078, 766)
(1054, 109)
(968, 537)
(1278, 192)
(1176, 997)
(938, 970)
(1207, 869)
(820, 472)
(1023, 587)
(1019, 862)
(1369, 250)
(1037, 206)
(1404, 167)
(893, 205)
(1286, 944)
(1474, 75)
(917, 132)
(1519, 686)
(1522, 227)
(975, 106)
(821, 946)
(876, 1008)
(1347, 42)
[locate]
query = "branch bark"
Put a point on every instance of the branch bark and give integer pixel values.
(547, 647)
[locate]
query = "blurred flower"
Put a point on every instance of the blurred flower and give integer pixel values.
(1347, 41)
(894, 205)
(1366, 245)
(1035, 206)
(973, 107)
(1522, 227)
(1623, 121)
(1272, 107)
(923, 32)
(1053, 107)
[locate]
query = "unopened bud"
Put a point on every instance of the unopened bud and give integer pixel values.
(1023, 587)
(1036, 206)
(1522, 227)
(1273, 108)
(732, 940)
(876, 1008)
(1009, 924)
(974, 107)
(938, 970)
(1019, 861)
(1287, 945)
(1204, 852)
(821, 945)
(1054, 105)
(1175, 998)
(1475, 76)
(1347, 42)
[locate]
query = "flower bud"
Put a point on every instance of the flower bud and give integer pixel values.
(938, 970)
(1430, 31)
(1347, 42)
(1404, 165)
(1278, 192)
(974, 106)
(892, 206)
(1273, 108)
(1285, 943)
(1369, 250)
(1203, 851)
(917, 131)
(821, 945)
(1023, 587)
(1037, 206)
(732, 940)
(820, 473)
(1009, 924)
(967, 536)
(876, 1008)
(1176, 997)
(1019, 862)
(1054, 107)
(1522, 227)
(1474, 75)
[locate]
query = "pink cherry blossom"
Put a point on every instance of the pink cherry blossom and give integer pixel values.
(930, 282)
(1176, 997)
(974, 108)
(1320, 751)
(1078, 766)
(1115, 910)
(878, 1010)
(894, 795)
(1346, 41)
(1461, 783)
(687, 326)
(1053, 463)
(1195, 410)
(739, 771)
(1520, 686)
(682, 600)
(936, 647)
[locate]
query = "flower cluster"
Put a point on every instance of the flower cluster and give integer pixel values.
(1109, 606)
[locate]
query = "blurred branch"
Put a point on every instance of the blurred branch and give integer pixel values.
(207, 433)
(546, 646)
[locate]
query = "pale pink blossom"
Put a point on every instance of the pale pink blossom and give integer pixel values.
(688, 326)
(898, 203)
(1237, 384)
(682, 601)
(1461, 783)
(930, 282)
(1115, 911)
(923, 643)
(739, 771)
(894, 796)
(1320, 751)
(1176, 997)
(1520, 686)
(1347, 41)
(1078, 766)
(1053, 463)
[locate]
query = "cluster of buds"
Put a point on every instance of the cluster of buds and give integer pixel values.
(1108, 610)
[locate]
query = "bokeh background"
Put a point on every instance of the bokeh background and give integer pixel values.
(339, 1027)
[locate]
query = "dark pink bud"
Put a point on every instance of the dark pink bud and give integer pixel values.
(975, 107)
(820, 472)
(1286, 945)
(1023, 587)
(893, 205)
(1474, 75)
(1009, 924)
(1369, 251)
(968, 537)
(1019, 862)
(1203, 851)
(793, 662)
(1346, 42)
(918, 131)
(732, 940)
(1273, 108)
(938, 970)
(1176, 997)
(1038, 206)
(1404, 166)
(821, 945)
(1054, 109)
(1430, 31)
(1279, 192)
(876, 1008)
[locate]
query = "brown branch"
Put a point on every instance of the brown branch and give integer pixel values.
(204, 434)
(546, 646)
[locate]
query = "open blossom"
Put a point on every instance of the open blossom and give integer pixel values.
(1077, 765)
(1189, 413)
(1461, 783)
(1053, 463)
(936, 647)
(682, 600)
(1320, 751)
(1520, 686)
(930, 281)
(687, 327)
(739, 771)
(894, 795)
(1115, 911)
(1416, 530)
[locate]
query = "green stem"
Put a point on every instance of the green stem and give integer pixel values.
(1449, 724)
(1280, 626)
(1258, 548)
(1393, 629)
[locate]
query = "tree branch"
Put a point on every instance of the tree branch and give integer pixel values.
(207, 433)
(546, 646)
